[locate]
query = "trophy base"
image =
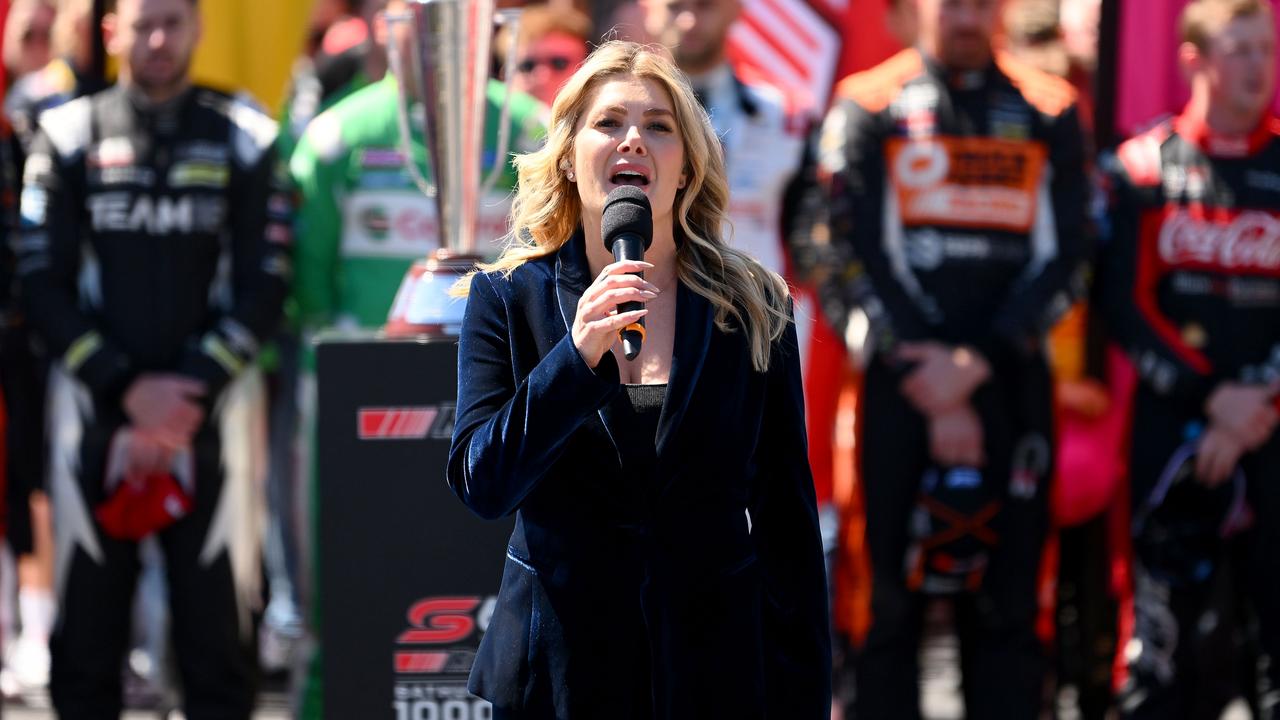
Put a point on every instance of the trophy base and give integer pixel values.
(423, 305)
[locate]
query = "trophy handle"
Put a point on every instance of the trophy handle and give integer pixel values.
(507, 17)
(398, 68)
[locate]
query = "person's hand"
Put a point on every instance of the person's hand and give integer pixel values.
(166, 407)
(944, 377)
(1245, 411)
(148, 454)
(596, 325)
(1217, 456)
(955, 437)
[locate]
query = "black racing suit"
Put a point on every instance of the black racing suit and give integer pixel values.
(957, 200)
(154, 240)
(1192, 274)
(18, 382)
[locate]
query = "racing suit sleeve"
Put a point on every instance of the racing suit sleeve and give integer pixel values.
(48, 251)
(1060, 247)
(1168, 370)
(259, 215)
(319, 225)
(852, 173)
(804, 219)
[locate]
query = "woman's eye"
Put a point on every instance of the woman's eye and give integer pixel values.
(660, 127)
(606, 123)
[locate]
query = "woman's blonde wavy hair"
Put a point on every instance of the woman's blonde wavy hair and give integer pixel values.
(547, 211)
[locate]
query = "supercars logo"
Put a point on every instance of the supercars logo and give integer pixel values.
(440, 635)
(405, 423)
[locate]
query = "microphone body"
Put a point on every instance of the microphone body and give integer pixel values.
(630, 246)
(627, 230)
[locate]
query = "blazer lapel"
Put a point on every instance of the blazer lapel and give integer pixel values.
(693, 336)
(573, 276)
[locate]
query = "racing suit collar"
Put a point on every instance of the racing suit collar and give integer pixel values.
(959, 79)
(144, 104)
(163, 118)
(1195, 129)
(721, 87)
(715, 81)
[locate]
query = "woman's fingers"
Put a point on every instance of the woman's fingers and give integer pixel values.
(614, 323)
(607, 302)
(624, 266)
(614, 282)
(598, 321)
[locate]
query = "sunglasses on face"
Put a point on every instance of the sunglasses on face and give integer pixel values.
(555, 62)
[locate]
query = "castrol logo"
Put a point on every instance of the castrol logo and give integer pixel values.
(1249, 241)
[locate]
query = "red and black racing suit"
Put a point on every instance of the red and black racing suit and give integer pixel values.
(1192, 274)
(958, 202)
(153, 240)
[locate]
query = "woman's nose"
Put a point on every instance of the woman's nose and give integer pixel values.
(632, 142)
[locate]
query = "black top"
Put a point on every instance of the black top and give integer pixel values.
(638, 408)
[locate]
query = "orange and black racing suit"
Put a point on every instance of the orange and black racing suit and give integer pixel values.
(1192, 276)
(957, 200)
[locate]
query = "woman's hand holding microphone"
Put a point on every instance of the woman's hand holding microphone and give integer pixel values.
(596, 325)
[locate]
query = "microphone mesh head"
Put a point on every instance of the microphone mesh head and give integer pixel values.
(626, 210)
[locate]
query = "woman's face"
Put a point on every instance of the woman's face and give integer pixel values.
(628, 136)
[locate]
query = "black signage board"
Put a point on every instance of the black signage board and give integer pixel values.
(407, 575)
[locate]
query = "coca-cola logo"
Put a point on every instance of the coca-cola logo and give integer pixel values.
(1248, 241)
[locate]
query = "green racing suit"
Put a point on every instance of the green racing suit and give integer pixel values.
(362, 220)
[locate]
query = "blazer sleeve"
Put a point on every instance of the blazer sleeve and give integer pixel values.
(510, 430)
(785, 525)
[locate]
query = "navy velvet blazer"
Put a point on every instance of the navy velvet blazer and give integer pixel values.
(699, 594)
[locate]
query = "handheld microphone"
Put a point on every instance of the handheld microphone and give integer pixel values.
(627, 228)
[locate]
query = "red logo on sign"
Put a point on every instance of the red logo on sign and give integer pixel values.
(440, 621)
(421, 662)
(1245, 242)
(402, 423)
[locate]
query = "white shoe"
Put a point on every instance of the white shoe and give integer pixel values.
(280, 634)
(29, 662)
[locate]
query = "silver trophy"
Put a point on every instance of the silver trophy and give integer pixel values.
(443, 84)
